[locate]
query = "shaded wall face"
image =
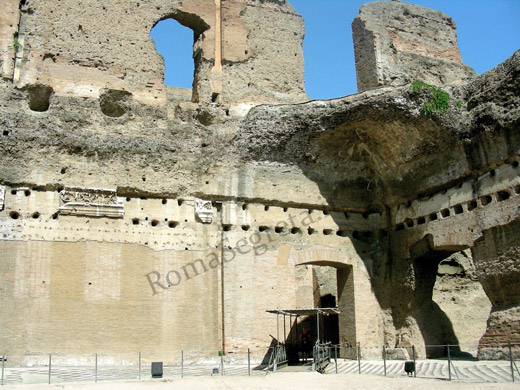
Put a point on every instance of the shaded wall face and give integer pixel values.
(464, 216)
(347, 305)
(461, 297)
(497, 262)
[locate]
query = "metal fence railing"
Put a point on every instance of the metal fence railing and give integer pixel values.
(472, 363)
(59, 368)
(278, 355)
(321, 356)
(475, 363)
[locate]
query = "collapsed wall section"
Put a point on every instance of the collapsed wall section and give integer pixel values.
(80, 51)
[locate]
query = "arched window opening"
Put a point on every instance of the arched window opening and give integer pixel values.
(175, 43)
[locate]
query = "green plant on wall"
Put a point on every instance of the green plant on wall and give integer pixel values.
(250, 112)
(16, 43)
(437, 99)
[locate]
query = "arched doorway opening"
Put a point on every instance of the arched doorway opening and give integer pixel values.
(322, 285)
(178, 38)
(447, 301)
(175, 43)
(460, 295)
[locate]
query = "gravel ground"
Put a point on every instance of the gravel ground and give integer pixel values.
(282, 381)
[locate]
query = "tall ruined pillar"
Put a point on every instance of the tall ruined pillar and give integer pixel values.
(346, 305)
(8, 37)
(396, 43)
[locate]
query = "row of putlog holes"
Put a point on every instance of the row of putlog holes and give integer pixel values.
(458, 209)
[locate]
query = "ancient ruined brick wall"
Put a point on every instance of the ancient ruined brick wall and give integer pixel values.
(396, 43)
(81, 50)
(384, 185)
(76, 284)
(65, 263)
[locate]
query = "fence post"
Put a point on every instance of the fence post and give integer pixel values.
(277, 329)
(248, 362)
(139, 365)
(3, 366)
(414, 365)
(314, 352)
(182, 364)
(511, 363)
(449, 363)
(50, 364)
(359, 357)
(336, 356)
(384, 358)
(95, 375)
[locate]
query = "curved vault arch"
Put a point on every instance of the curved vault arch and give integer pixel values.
(355, 299)
(199, 27)
(323, 256)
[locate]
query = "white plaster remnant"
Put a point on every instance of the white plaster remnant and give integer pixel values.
(2, 197)
(204, 210)
(241, 109)
(90, 202)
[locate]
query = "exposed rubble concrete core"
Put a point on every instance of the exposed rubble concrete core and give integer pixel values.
(177, 217)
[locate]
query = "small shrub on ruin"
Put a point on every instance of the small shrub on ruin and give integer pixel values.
(438, 101)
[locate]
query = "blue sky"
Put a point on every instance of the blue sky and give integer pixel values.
(488, 32)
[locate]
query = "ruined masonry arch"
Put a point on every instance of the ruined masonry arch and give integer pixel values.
(356, 300)
(199, 27)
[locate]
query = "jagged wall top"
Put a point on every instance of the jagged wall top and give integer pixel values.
(396, 43)
(244, 50)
